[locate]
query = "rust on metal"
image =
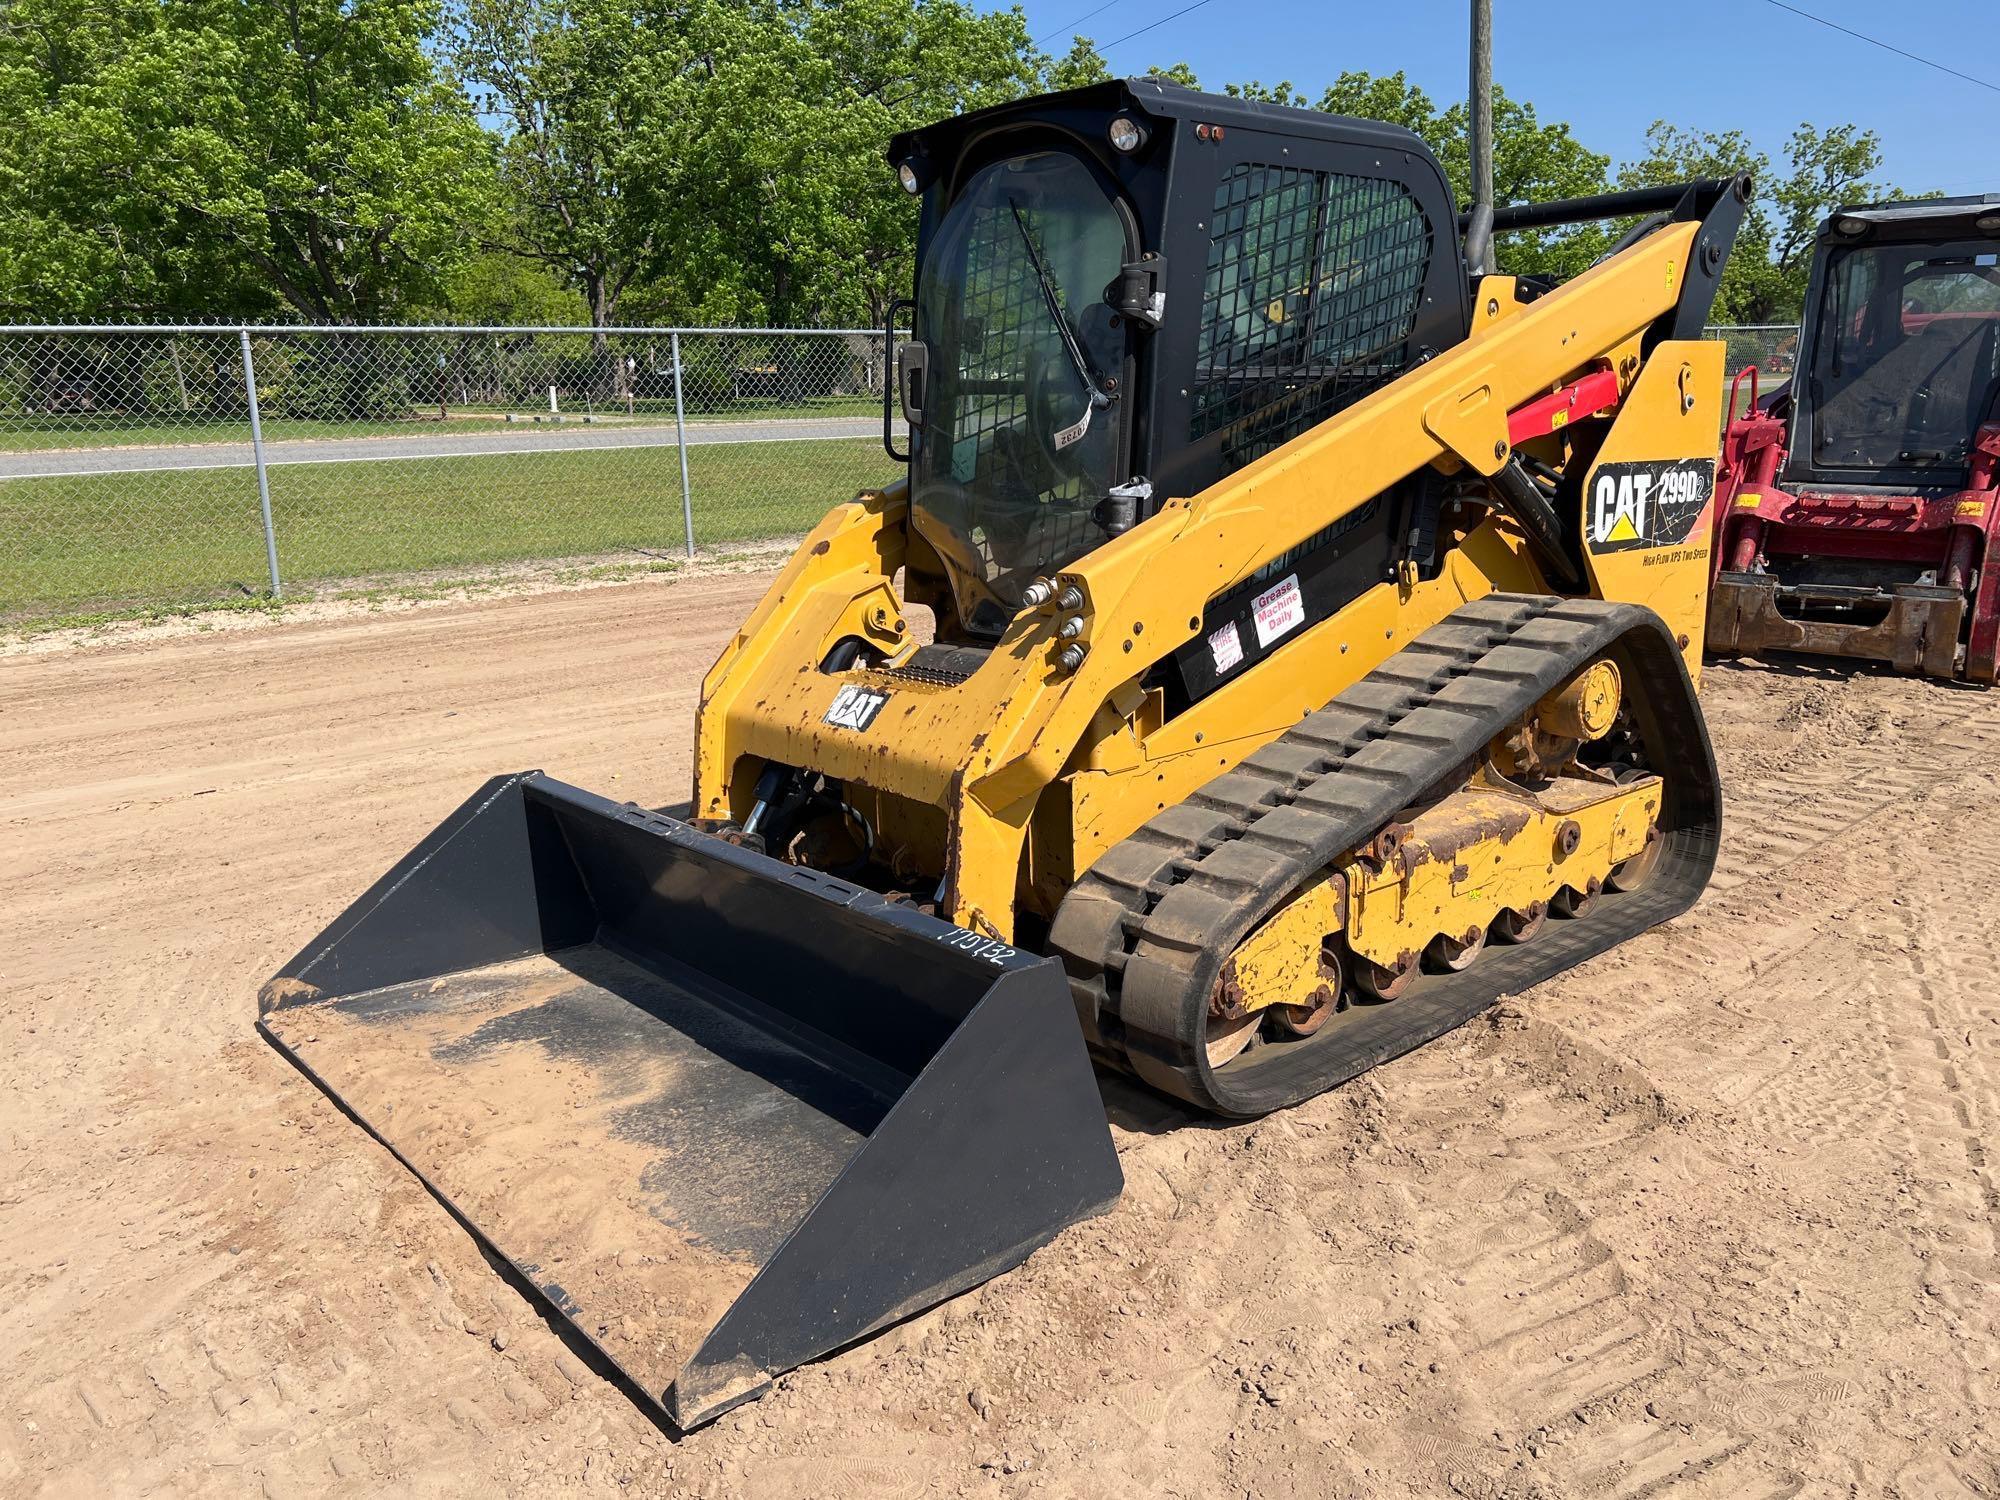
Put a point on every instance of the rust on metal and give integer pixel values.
(1226, 1001)
(1470, 820)
(1387, 845)
(1324, 1002)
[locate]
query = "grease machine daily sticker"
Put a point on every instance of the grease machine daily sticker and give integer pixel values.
(855, 707)
(1648, 504)
(1279, 609)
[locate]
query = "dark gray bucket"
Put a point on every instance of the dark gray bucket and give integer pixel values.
(726, 1114)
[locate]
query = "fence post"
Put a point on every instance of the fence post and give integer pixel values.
(681, 437)
(257, 451)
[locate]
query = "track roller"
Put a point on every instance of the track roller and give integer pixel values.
(1449, 955)
(1570, 903)
(1521, 926)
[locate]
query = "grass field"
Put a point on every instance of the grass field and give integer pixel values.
(30, 434)
(112, 542)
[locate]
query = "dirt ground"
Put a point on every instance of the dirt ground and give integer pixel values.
(1712, 1216)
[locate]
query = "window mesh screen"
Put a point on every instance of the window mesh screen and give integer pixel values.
(1311, 292)
(1004, 300)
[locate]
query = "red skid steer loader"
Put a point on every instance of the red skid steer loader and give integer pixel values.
(1860, 500)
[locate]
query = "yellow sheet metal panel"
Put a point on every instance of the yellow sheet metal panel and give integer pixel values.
(854, 550)
(1247, 712)
(1649, 497)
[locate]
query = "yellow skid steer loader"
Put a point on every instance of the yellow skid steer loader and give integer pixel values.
(1313, 629)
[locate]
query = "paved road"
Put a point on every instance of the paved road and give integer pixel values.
(518, 438)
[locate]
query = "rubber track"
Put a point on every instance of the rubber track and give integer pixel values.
(1143, 935)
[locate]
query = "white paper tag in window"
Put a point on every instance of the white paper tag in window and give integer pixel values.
(1075, 433)
(1226, 646)
(1278, 609)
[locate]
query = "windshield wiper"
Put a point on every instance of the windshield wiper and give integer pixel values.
(1098, 398)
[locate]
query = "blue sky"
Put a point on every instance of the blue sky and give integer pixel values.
(1612, 68)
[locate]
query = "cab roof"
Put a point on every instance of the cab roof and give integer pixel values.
(1932, 217)
(1158, 99)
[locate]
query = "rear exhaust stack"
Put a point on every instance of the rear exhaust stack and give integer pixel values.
(725, 1114)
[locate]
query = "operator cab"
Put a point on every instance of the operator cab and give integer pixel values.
(1901, 357)
(1128, 291)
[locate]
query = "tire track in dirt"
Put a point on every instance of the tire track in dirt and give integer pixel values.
(1615, 1362)
(1852, 765)
(1943, 1085)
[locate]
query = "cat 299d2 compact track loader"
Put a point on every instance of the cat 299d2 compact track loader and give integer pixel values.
(1314, 624)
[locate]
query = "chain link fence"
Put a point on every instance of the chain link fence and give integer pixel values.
(1771, 347)
(147, 467)
(164, 466)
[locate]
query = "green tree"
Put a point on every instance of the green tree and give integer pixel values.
(1084, 64)
(210, 157)
(723, 161)
(1675, 154)
(1389, 97)
(496, 286)
(1533, 162)
(811, 210)
(1081, 65)
(1824, 168)
(566, 85)
(1269, 93)
(1828, 167)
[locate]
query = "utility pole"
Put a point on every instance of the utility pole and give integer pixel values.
(1479, 229)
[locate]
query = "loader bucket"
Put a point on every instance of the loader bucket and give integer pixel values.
(724, 1113)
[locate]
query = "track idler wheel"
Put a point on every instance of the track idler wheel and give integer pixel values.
(1630, 874)
(1229, 1035)
(1379, 983)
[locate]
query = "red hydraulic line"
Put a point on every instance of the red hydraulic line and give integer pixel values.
(1594, 393)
